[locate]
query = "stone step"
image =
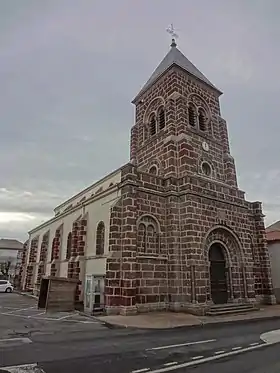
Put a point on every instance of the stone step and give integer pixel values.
(232, 305)
(98, 311)
(230, 309)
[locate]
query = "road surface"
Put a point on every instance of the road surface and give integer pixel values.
(67, 342)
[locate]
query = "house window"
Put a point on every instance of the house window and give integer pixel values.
(69, 246)
(201, 120)
(100, 238)
(161, 118)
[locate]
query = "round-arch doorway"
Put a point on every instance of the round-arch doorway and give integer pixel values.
(218, 276)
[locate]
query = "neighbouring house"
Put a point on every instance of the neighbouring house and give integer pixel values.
(273, 243)
(11, 252)
(169, 230)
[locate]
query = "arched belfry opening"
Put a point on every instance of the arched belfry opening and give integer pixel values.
(218, 274)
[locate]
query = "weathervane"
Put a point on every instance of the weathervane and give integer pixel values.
(170, 29)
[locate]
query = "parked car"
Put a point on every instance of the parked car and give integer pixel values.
(6, 286)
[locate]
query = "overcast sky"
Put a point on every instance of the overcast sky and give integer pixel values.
(69, 69)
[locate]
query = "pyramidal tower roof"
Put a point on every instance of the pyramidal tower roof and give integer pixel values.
(175, 57)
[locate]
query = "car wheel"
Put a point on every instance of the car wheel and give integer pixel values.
(8, 290)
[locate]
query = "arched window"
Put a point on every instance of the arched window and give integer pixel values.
(201, 120)
(153, 170)
(69, 246)
(100, 238)
(191, 113)
(153, 125)
(161, 118)
(148, 235)
(53, 250)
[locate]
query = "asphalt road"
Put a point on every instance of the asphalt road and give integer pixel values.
(71, 343)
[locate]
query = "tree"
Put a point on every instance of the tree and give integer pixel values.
(5, 268)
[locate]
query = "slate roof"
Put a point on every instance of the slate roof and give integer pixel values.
(273, 227)
(273, 232)
(6, 243)
(175, 57)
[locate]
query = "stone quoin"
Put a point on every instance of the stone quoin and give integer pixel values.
(180, 234)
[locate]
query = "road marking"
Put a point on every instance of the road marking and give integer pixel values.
(206, 359)
(10, 308)
(44, 318)
(27, 368)
(197, 357)
(271, 337)
(50, 319)
(38, 314)
(65, 317)
(236, 348)
(171, 363)
(23, 340)
(254, 344)
(181, 345)
(21, 309)
(11, 314)
(85, 322)
(219, 352)
(140, 370)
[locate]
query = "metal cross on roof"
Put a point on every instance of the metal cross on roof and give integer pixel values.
(170, 29)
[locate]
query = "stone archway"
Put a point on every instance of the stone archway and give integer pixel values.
(218, 274)
(230, 253)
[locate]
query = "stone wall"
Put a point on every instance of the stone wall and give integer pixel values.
(262, 266)
(172, 271)
(23, 264)
(76, 262)
(43, 257)
(31, 264)
(56, 251)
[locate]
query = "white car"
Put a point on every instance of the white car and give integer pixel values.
(6, 286)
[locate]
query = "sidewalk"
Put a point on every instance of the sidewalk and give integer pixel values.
(168, 320)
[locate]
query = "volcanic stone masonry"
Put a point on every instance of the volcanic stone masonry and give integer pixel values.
(182, 235)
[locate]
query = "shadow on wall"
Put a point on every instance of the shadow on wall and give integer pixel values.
(277, 294)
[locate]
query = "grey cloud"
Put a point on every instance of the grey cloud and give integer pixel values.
(28, 202)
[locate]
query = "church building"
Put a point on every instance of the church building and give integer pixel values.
(170, 230)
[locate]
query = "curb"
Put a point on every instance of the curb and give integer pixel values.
(202, 325)
(106, 323)
(210, 325)
(25, 294)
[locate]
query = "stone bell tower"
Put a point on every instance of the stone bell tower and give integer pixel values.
(179, 102)
(182, 235)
